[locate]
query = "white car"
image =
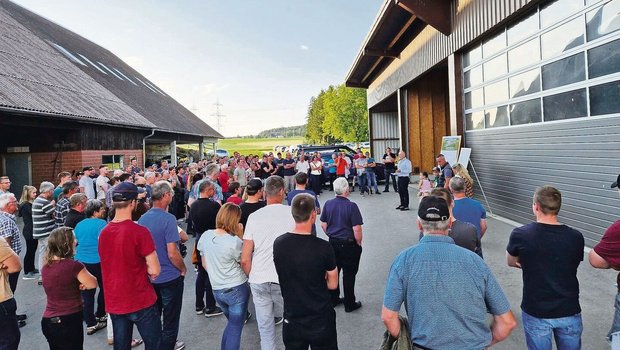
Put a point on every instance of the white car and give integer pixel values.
(221, 153)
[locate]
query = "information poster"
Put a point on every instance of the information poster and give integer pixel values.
(450, 146)
(464, 157)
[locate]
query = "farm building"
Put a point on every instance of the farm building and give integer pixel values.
(533, 87)
(66, 102)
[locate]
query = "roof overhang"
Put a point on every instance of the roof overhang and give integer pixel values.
(396, 25)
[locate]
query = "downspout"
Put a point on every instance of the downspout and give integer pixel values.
(144, 148)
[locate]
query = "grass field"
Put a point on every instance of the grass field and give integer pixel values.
(254, 146)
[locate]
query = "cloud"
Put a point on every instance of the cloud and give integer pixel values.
(211, 88)
(304, 47)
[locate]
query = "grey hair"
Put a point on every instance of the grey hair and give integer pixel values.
(46, 186)
(149, 174)
(341, 185)
(159, 189)
(77, 198)
(92, 206)
(434, 226)
(211, 169)
(273, 185)
(204, 184)
(5, 198)
(118, 172)
(457, 185)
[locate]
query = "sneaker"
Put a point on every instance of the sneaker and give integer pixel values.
(353, 307)
(103, 318)
(247, 318)
(22, 317)
(21, 323)
(200, 310)
(179, 345)
(29, 276)
(97, 327)
(216, 311)
(36, 272)
(278, 320)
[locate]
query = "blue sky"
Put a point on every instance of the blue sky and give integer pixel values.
(263, 60)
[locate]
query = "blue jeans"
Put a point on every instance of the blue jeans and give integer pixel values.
(9, 331)
(149, 326)
(169, 302)
(361, 181)
(372, 180)
(539, 331)
(234, 303)
(615, 326)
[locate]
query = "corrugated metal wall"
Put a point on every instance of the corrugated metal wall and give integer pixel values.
(472, 19)
(574, 156)
(384, 132)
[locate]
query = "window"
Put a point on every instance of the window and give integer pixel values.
(494, 45)
(473, 77)
(605, 98)
(523, 29)
(124, 76)
(140, 80)
(495, 93)
(524, 55)
(604, 59)
(563, 72)
(495, 67)
(113, 162)
(67, 54)
(525, 83)
(557, 10)
(92, 64)
(109, 70)
(474, 99)
(525, 112)
(474, 120)
(566, 105)
(472, 57)
(603, 21)
(562, 38)
(496, 117)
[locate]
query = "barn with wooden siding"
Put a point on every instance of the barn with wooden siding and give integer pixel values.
(66, 102)
(533, 87)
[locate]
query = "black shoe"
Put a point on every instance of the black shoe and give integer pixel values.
(21, 323)
(377, 192)
(337, 302)
(278, 320)
(353, 307)
(404, 208)
(22, 317)
(386, 190)
(247, 317)
(216, 311)
(399, 207)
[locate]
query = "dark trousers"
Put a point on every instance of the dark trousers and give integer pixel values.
(9, 331)
(64, 332)
(148, 322)
(332, 178)
(317, 336)
(204, 291)
(348, 254)
(31, 249)
(169, 302)
(13, 278)
(389, 175)
(403, 190)
(316, 183)
(88, 297)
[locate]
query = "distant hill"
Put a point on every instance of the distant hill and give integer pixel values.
(290, 131)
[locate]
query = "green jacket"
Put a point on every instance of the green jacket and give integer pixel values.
(403, 342)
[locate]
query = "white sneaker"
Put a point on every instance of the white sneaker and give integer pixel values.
(179, 345)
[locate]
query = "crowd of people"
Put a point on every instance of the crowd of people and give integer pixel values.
(111, 255)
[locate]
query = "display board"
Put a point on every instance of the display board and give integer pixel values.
(464, 156)
(450, 146)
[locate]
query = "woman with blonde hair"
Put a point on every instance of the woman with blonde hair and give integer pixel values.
(63, 280)
(461, 171)
(221, 257)
(29, 193)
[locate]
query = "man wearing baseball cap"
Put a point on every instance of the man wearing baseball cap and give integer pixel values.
(453, 316)
(606, 255)
(128, 259)
(254, 190)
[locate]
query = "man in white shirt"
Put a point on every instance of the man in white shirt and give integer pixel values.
(262, 229)
(302, 165)
(87, 185)
(102, 182)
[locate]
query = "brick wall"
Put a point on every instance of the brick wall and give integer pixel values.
(43, 166)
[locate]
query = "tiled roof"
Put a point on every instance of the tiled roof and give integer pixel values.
(112, 90)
